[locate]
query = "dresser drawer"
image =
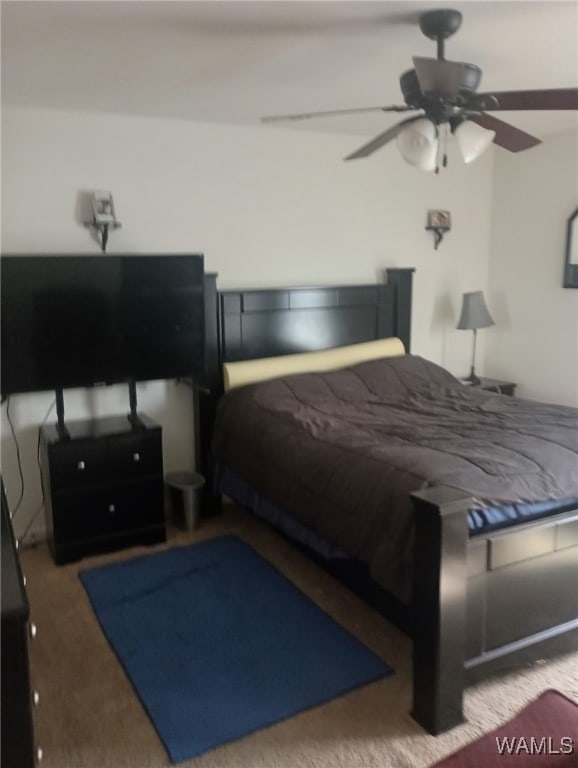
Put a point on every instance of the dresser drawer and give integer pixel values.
(136, 454)
(77, 464)
(82, 516)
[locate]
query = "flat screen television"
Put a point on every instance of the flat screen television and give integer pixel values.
(81, 321)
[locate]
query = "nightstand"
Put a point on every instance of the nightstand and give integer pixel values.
(495, 385)
(104, 486)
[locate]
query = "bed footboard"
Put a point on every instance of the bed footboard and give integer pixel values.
(486, 603)
(439, 607)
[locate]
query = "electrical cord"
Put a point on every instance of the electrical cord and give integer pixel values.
(18, 460)
(22, 538)
(29, 526)
(21, 474)
(48, 412)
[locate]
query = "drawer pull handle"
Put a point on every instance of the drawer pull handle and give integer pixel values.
(111, 508)
(33, 630)
(24, 580)
(136, 457)
(35, 698)
(81, 465)
(39, 754)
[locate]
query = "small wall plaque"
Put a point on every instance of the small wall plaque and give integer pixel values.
(103, 216)
(439, 222)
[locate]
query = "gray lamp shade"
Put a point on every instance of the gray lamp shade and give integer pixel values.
(474, 312)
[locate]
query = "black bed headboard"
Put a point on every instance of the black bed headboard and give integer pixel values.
(250, 324)
(281, 321)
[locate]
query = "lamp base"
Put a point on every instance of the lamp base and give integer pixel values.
(474, 380)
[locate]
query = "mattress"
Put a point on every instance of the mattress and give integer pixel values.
(341, 451)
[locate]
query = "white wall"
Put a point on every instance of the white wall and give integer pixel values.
(267, 206)
(536, 337)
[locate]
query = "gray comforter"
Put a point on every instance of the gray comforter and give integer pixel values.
(341, 451)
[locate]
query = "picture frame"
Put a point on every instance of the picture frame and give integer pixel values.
(439, 220)
(103, 208)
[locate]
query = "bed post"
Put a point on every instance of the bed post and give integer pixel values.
(206, 394)
(439, 607)
(402, 278)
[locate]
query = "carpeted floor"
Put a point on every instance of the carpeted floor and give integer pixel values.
(89, 717)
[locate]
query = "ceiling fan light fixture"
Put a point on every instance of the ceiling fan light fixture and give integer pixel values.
(473, 140)
(418, 144)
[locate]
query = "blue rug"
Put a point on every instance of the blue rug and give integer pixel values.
(218, 644)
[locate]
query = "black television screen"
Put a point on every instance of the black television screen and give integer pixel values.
(79, 321)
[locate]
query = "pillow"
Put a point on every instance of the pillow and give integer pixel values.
(250, 371)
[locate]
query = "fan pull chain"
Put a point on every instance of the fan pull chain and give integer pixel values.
(443, 131)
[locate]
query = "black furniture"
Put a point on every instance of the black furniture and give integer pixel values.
(18, 748)
(495, 385)
(241, 325)
(480, 604)
(103, 486)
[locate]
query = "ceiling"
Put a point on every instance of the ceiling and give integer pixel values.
(233, 61)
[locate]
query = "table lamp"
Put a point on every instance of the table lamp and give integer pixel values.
(474, 315)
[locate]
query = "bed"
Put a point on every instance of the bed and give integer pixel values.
(480, 585)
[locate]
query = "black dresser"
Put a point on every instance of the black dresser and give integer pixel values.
(103, 486)
(18, 748)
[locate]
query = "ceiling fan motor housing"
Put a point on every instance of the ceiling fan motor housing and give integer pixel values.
(440, 23)
(414, 97)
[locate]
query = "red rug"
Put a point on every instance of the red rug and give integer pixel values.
(542, 735)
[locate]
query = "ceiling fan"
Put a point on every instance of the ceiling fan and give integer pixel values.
(444, 93)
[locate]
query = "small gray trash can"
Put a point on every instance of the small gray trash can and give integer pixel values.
(184, 495)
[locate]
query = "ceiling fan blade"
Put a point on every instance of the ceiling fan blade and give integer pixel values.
(553, 98)
(438, 76)
(507, 136)
(333, 113)
(381, 139)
